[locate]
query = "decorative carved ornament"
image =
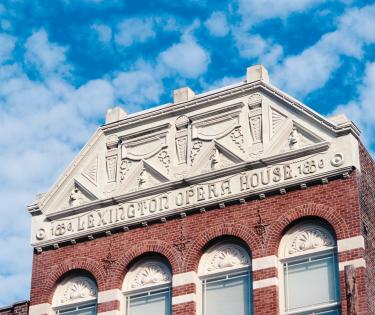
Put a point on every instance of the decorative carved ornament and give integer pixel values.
(146, 274)
(195, 150)
(308, 238)
(76, 197)
(224, 257)
(238, 139)
(124, 168)
(165, 159)
(76, 289)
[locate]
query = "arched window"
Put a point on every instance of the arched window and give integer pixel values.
(224, 271)
(310, 273)
(76, 295)
(147, 287)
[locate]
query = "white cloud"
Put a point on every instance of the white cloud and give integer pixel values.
(137, 87)
(7, 44)
(14, 286)
(134, 30)
(362, 110)
(257, 10)
(93, 98)
(187, 58)
(43, 123)
(103, 31)
(311, 69)
(217, 24)
(46, 57)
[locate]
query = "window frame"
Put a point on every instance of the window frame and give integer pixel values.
(225, 275)
(148, 289)
(309, 254)
(205, 276)
(84, 302)
(76, 307)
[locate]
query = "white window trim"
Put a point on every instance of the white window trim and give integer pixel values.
(132, 287)
(76, 307)
(316, 252)
(85, 283)
(243, 266)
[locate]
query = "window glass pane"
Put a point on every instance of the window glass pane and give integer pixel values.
(87, 311)
(155, 304)
(227, 296)
(80, 310)
(310, 282)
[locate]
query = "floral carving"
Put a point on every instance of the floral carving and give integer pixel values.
(78, 289)
(228, 256)
(165, 159)
(124, 168)
(237, 137)
(309, 239)
(195, 150)
(151, 273)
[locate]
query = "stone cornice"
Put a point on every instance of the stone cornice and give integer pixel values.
(215, 96)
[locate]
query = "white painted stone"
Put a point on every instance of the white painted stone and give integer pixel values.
(350, 243)
(183, 94)
(191, 297)
(264, 262)
(184, 278)
(110, 295)
(357, 263)
(113, 312)
(39, 309)
(115, 114)
(256, 73)
(269, 282)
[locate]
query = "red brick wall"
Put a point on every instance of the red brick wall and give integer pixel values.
(336, 202)
(19, 308)
(367, 201)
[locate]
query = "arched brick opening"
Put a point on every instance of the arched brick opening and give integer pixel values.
(80, 264)
(241, 232)
(310, 210)
(118, 270)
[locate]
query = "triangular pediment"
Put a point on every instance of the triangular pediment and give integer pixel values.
(171, 144)
(143, 176)
(215, 156)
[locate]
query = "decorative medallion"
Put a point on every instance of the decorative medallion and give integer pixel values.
(337, 160)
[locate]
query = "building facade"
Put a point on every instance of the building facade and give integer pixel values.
(237, 201)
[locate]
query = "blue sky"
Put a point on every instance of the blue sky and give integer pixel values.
(64, 62)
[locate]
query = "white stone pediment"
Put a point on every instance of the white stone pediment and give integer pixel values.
(214, 157)
(165, 148)
(144, 175)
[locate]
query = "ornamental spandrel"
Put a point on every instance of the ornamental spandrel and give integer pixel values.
(200, 151)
